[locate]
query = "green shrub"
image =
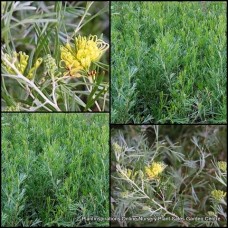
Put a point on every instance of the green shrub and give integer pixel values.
(168, 62)
(55, 169)
(171, 176)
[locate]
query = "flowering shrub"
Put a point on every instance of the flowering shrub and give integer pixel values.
(56, 71)
(168, 176)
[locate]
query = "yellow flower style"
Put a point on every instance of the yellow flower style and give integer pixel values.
(218, 194)
(85, 51)
(154, 170)
(20, 61)
(222, 165)
(68, 58)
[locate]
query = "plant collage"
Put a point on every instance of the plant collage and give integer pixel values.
(113, 113)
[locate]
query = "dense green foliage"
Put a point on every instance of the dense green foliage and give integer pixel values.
(55, 169)
(189, 192)
(169, 62)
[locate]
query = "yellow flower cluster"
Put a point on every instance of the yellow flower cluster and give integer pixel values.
(218, 194)
(222, 165)
(20, 61)
(154, 170)
(132, 174)
(117, 148)
(71, 63)
(12, 108)
(129, 173)
(211, 213)
(84, 52)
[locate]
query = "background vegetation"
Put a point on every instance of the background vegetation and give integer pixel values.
(183, 190)
(39, 29)
(169, 62)
(54, 169)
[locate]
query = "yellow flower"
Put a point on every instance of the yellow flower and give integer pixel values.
(211, 213)
(222, 165)
(20, 61)
(84, 52)
(154, 170)
(127, 172)
(70, 61)
(117, 148)
(23, 61)
(13, 108)
(218, 194)
(34, 68)
(89, 50)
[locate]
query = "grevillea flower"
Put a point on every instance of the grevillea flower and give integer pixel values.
(154, 170)
(126, 172)
(117, 148)
(222, 165)
(20, 61)
(218, 194)
(71, 63)
(85, 51)
(211, 213)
